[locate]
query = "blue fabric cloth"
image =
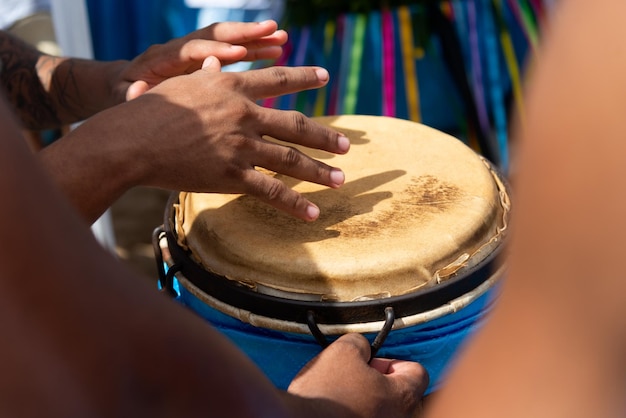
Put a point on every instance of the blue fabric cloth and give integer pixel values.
(280, 355)
(122, 29)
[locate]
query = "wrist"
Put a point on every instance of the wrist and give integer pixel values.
(80, 88)
(118, 84)
(92, 165)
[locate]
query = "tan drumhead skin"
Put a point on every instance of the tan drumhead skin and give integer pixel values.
(417, 206)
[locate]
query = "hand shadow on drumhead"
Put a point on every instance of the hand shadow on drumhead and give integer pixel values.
(274, 238)
(336, 206)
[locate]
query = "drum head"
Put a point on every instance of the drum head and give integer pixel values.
(418, 209)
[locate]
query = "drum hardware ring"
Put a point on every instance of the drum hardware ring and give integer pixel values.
(166, 280)
(167, 284)
(379, 340)
(315, 330)
(157, 235)
(390, 318)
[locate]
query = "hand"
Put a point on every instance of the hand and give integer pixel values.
(341, 376)
(220, 143)
(229, 42)
(201, 132)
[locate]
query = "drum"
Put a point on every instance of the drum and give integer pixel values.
(406, 252)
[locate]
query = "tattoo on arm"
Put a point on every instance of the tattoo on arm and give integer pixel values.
(25, 90)
(60, 77)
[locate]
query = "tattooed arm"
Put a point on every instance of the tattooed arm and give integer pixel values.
(49, 91)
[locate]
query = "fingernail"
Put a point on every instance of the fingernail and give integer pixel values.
(343, 143)
(208, 61)
(322, 74)
(312, 212)
(337, 177)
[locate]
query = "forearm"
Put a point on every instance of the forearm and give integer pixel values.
(48, 91)
(80, 88)
(79, 325)
(93, 165)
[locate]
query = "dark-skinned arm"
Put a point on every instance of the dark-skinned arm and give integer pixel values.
(48, 92)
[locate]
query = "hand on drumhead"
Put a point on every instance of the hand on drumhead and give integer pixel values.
(200, 132)
(204, 132)
(341, 379)
(229, 42)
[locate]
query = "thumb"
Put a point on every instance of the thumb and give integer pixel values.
(136, 89)
(412, 373)
(212, 64)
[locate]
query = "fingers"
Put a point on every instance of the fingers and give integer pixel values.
(265, 53)
(410, 373)
(294, 163)
(196, 51)
(211, 65)
(381, 364)
(289, 127)
(356, 343)
(234, 41)
(277, 39)
(341, 375)
(136, 89)
(139, 87)
(230, 42)
(291, 162)
(350, 352)
(275, 193)
(242, 32)
(276, 81)
(294, 127)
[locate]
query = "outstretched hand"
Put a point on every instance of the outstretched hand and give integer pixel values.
(202, 132)
(341, 376)
(229, 42)
(220, 143)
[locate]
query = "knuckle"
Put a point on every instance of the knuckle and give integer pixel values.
(236, 115)
(235, 175)
(280, 75)
(230, 81)
(323, 171)
(274, 191)
(153, 49)
(298, 202)
(240, 111)
(233, 172)
(299, 121)
(355, 344)
(239, 144)
(192, 45)
(291, 158)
